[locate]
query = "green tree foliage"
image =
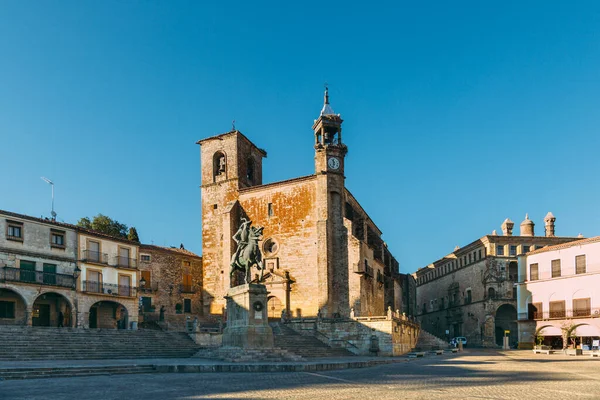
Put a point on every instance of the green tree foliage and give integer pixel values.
(133, 235)
(104, 224)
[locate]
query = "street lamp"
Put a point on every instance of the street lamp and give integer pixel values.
(76, 272)
(142, 283)
(48, 181)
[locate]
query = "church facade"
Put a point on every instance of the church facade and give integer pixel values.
(322, 253)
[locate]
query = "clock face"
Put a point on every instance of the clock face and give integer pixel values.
(333, 163)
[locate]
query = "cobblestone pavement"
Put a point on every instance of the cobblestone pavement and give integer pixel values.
(474, 374)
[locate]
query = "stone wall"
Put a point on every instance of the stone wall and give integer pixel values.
(166, 288)
(394, 336)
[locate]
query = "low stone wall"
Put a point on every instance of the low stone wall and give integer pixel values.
(392, 336)
(207, 339)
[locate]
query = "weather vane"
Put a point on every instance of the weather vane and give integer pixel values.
(233, 125)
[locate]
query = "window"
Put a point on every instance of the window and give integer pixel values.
(178, 308)
(147, 277)
(219, 164)
(491, 293)
(270, 209)
(468, 297)
(525, 248)
(187, 305)
(49, 274)
(125, 285)
(469, 258)
(581, 307)
(500, 250)
(7, 309)
(580, 264)
(555, 268)
(535, 311)
(442, 303)
(27, 271)
(557, 309)
(250, 170)
(124, 259)
(533, 272)
(94, 281)
(145, 258)
(187, 283)
(57, 239)
(14, 230)
(93, 252)
(513, 250)
(480, 254)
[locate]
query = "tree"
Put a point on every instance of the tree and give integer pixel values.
(133, 235)
(102, 223)
(568, 333)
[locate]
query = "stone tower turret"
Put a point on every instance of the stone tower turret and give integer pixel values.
(507, 227)
(527, 227)
(549, 224)
(332, 253)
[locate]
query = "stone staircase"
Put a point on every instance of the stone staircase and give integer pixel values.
(58, 372)
(427, 341)
(21, 343)
(305, 346)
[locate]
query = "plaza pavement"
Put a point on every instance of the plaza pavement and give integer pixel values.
(473, 374)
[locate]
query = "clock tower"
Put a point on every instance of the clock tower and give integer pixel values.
(329, 149)
(332, 247)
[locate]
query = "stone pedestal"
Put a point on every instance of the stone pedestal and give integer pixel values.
(247, 320)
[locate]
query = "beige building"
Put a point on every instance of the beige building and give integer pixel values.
(38, 271)
(322, 253)
(108, 281)
(170, 287)
(471, 292)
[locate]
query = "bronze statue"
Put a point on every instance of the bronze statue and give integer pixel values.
(247, 254)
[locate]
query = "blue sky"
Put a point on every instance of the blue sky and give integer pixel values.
(457, 114)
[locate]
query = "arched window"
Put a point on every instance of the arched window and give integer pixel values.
(219, 164)
(491, 293)
(250, 170)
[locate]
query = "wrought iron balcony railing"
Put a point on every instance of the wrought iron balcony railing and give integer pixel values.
(560, 314)
(94, 257)
(125, 262)
(108, 288)
(37, 277)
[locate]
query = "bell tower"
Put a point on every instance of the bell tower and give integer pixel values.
(332, 244)
(329, 148)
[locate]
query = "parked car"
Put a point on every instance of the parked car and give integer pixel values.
(459, 339)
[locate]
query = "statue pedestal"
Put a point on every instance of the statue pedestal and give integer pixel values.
(247, 321)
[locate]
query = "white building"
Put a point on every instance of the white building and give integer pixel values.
(559, 286)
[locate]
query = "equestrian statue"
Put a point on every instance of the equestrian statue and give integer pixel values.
(247, 254)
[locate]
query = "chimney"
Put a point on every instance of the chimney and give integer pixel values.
(527, 227)
(549, 224)
(507, 227)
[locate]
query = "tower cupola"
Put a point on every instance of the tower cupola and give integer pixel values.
(328, 127)
(527, 227)
(549, 224)
(507, 227)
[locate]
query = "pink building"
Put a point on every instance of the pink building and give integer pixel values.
(559, 286)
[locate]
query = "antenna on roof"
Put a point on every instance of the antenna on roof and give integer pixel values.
(51, 184)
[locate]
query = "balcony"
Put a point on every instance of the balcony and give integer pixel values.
(37, 277)
(108, 289)
(560, 314)
(94, 257)
(187, 288)
(363, 269)
(149, 288)
(125, 262)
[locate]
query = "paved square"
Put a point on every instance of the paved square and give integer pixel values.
(473, 374)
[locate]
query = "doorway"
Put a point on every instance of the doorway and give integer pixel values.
(41, 315)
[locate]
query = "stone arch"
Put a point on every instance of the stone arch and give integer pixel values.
(250, 169)
(52, 309)
(219, 163)
(17, 309)
(274, 307)
(109, 314)
(505, 320)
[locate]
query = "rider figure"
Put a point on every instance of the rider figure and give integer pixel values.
(241, 238)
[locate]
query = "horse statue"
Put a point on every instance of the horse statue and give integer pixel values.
(247, 254)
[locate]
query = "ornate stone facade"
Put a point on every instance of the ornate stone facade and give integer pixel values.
(322, 253)
(471, 292)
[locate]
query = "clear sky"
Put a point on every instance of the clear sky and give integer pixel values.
(457, 114)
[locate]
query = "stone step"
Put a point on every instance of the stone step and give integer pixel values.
(36, 373)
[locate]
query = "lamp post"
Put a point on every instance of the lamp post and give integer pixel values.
(48, 181)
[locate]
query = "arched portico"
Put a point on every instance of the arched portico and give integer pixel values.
(13, 307)
(52, 309)
(506, 320)
(108, 315)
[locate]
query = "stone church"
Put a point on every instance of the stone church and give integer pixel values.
(322, 253)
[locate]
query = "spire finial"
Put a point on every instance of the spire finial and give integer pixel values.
(327, 110)
(233, 125)
(526, 215)
(326, 99)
